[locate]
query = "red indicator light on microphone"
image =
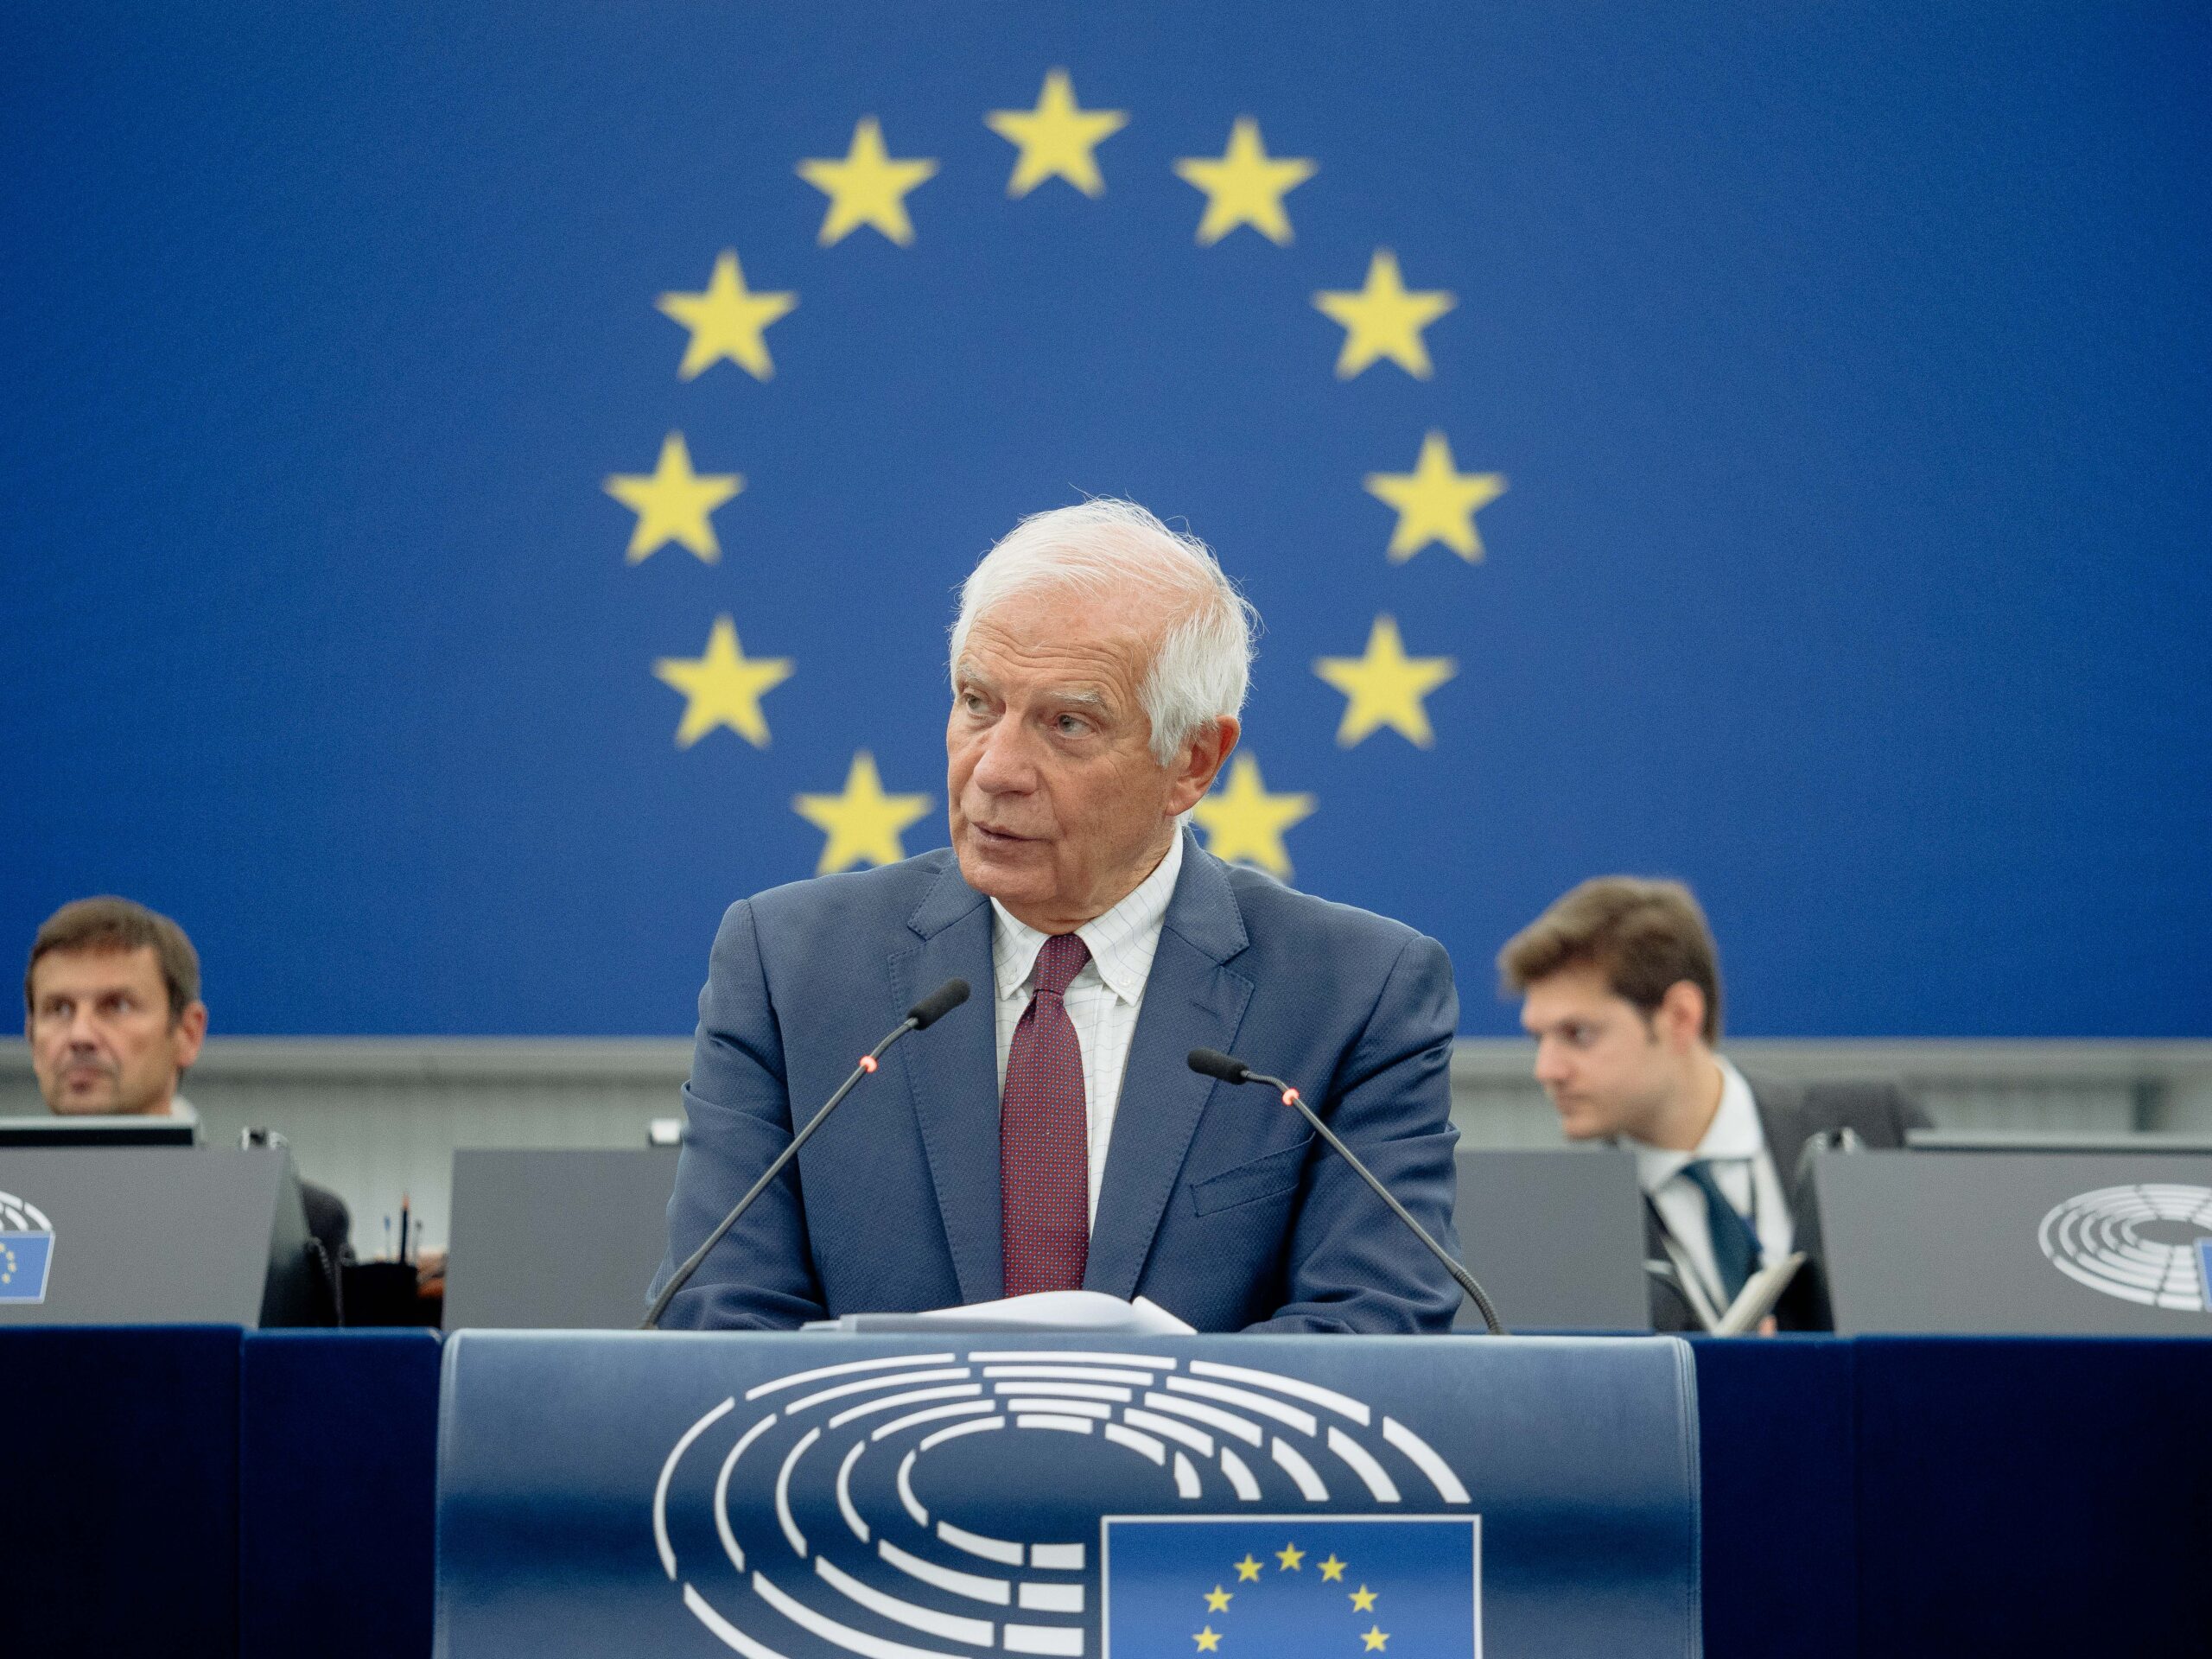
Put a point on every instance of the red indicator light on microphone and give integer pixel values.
(868, 1062)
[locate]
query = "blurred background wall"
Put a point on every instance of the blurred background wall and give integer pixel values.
(487, 484)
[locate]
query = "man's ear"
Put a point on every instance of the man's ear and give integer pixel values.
(1682, 1015)
(1204, 755)
(190, 1031)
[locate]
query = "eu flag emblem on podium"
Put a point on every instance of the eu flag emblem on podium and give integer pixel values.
(1284, 1587)
(24, 1258)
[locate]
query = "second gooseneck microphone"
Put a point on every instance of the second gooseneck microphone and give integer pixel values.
(1213, 1062)
(927, 1012)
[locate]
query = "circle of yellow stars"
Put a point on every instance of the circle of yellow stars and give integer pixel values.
(1291, 1559)
(1245, 188)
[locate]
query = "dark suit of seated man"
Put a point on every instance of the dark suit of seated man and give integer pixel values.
(1621, 990)
(1048, 1135)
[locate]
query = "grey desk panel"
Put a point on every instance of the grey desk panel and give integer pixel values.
(1957, 1242)
(163, 1235)
(555, 1239)
(1555, 1238)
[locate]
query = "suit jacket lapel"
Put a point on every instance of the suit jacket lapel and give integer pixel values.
(952, 1076)
(1191, 1000)
(1783, 1120)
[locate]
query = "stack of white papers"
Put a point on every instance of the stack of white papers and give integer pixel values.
(1048, 1310)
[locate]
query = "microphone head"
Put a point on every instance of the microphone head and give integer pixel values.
(938, 1003)
(1213, 1062)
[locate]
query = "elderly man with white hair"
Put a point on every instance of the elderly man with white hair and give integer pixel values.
(1048, 1135)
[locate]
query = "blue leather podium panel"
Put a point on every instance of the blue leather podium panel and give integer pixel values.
(121, 1459)
(796, 1497)
(336, 1478)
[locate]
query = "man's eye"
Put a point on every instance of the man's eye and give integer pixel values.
(1070, 726)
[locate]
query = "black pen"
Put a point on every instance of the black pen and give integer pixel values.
(403, 1227)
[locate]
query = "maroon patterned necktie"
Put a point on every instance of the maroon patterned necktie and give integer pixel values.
(1044, 1135)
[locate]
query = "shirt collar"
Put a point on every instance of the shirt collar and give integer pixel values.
(1733, 1134)
(1122, 941)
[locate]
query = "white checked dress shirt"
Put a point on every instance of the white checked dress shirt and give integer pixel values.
(1742, 1168)
(1103, 1000)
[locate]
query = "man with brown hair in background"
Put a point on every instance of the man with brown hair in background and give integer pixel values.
(1621, 989)
(112, 1012)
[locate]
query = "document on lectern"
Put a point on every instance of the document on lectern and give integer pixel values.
(1046, 1310)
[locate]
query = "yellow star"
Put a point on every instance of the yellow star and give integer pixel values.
(1245, 187)
(1056, 138)
(1218, 1599)
(1209, 1640)
(724, 687)
(862, 823)
(727, 320)
(1247, 1570)
(1374, 1636)
(1436, 502)
(672, 503)
(1382, 319)
(1333, 1569)
(1290, 1556)
(1385, 687)
(866, 187)
(1363, 1600)
(1242, 821)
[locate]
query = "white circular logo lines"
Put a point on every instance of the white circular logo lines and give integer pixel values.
(862, 1533)
(2150, 1244)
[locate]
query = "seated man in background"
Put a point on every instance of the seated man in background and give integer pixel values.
(114, 1019)
(112, 1010)
(1621, 990)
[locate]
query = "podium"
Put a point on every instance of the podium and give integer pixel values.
(152, 1235)
(803, 1495)
(1556, 1237)
(512, 1260)
(2020, 1243)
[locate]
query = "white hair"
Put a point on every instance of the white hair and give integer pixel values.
(1108, 547)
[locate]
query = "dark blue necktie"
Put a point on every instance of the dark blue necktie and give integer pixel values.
(1735, 1246)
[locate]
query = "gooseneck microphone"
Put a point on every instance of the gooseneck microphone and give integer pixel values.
(1213, 1062)
(927, 1012)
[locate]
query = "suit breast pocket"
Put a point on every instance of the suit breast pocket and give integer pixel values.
(1269, 1176)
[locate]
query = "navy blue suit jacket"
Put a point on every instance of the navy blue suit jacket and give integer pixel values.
(1217, 1203)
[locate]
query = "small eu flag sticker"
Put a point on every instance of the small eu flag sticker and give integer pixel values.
(24, 1258)
(1282, 1587)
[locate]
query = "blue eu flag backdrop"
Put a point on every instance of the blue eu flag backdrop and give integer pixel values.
(488, 484)
(1289, 1586)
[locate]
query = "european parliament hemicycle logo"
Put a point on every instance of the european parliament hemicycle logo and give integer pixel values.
(26, 1250)
(1189, 1508)
(2150, 1244)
